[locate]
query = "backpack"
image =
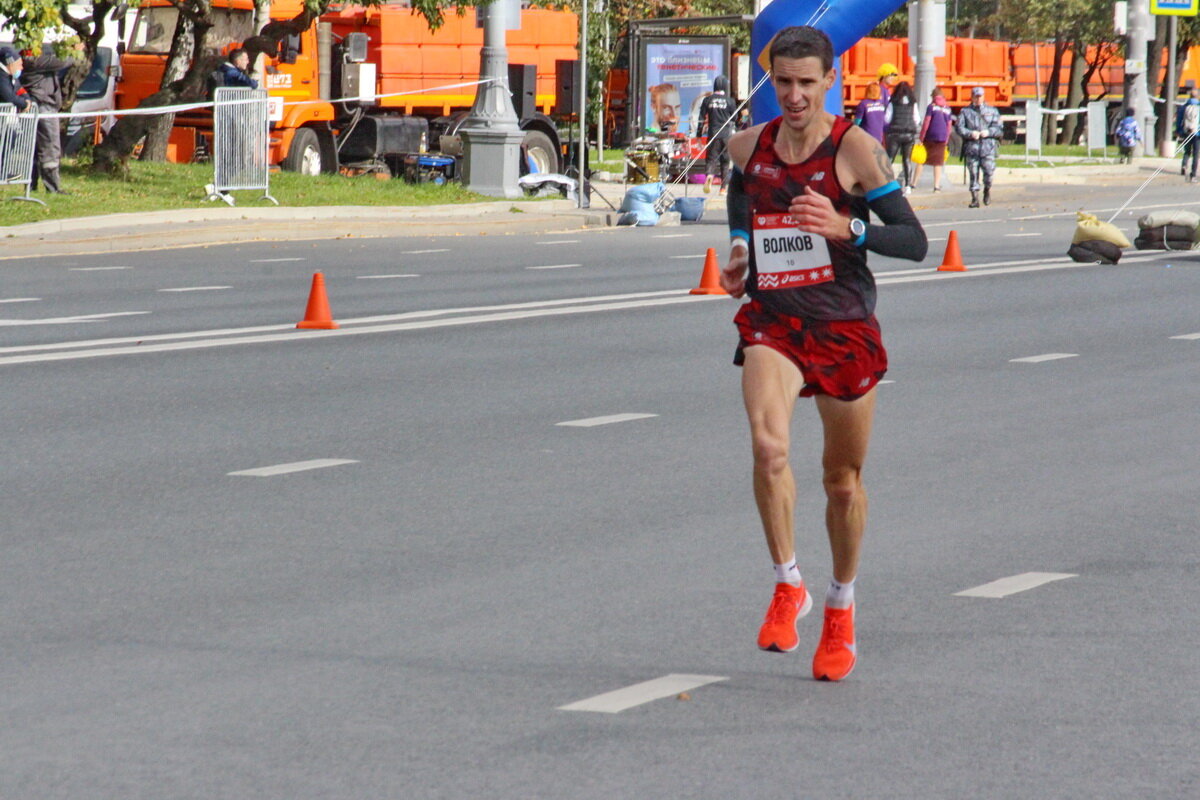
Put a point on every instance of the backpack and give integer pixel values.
(1191, 118)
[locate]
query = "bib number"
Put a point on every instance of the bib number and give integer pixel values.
(786, 257)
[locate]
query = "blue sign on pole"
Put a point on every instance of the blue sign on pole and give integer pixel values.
(1178, 8)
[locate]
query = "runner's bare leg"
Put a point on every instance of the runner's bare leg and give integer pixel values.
(770, 385)
(847, 432)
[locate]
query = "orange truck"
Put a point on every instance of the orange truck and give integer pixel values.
(387, 54)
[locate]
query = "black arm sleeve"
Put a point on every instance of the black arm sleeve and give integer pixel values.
(900, 235)
(738, 207)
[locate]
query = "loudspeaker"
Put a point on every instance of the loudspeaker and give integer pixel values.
(566, 97)
(522, 82)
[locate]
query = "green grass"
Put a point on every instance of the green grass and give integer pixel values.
(156, 187)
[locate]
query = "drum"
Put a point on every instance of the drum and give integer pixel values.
(641, 166)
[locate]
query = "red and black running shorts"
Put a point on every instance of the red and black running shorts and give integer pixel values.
(840, 358)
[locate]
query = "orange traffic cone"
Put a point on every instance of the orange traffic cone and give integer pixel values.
(952, 261)
(710, 279)
(317, 314)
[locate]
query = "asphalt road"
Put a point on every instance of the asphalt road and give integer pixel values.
(410, 621)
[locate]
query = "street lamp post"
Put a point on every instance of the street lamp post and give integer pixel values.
(492, 133)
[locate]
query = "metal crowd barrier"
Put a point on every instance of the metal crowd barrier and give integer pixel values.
(18, 135)
(241, 143)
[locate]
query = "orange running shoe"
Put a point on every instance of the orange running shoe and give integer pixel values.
(778, 631)
(837, 652)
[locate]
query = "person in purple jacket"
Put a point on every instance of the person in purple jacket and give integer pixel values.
(935, 132)
(871, 113)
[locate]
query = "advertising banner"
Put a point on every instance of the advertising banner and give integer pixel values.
(678, 74)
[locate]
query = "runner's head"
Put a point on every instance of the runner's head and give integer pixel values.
(802, 71)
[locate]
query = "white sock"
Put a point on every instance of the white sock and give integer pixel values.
(788, 573)
(840, 595)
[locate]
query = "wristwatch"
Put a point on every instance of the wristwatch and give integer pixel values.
(858, 231)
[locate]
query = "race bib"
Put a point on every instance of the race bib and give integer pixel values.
(786, 257)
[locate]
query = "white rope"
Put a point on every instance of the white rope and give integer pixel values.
(1153, 175)
(175, 109)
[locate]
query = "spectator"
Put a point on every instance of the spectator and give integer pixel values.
(1187, 130)
(871, 113)
(234, 72)
(980, 128)
(901, 132)
(41, 80)
(11, 65)
(935, 132)
(1128, 135)
(716, 113)
(888, 77)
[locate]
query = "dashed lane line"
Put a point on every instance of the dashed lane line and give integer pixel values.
(698, 255)
(1021, 235)
(17, 323)
(592, 422)
(424, 252)
(559, 241)
(95, 269)
(556, 266)
(381, 277)
(21, 300)
(295, 466)
(275, 260)
(1042, 357)
(1188, 336)
(1015, 583)
(638, 694)
(196, 289)
(671, 236)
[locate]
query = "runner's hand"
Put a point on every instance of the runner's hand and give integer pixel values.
(814, 213)
(733, 274)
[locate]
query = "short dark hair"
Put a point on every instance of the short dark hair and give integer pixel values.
(802, 41)
(235, 52)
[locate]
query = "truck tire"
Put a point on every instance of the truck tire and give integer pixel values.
(540, 155)
(304, 154)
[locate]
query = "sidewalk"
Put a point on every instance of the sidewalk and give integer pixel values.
(223, 225)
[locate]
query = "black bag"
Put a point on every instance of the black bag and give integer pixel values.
(1095, 251)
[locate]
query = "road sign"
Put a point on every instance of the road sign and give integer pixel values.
(1178, 8)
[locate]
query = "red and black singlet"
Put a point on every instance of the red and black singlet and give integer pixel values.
(771, 184)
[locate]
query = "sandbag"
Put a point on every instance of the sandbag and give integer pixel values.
(1090, 228)
(640, 199)
(1186, 219)
(1095, 251)
(1165, 237)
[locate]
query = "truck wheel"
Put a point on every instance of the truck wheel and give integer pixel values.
(304, 155)
(540, 156)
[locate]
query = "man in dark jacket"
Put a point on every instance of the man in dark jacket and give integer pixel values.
(715, 113)
(234, 71)
(41, 79)
(11, 65)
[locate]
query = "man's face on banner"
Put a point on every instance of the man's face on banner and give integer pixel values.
(666, 107)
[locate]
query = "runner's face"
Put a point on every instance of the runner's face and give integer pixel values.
(800, 87)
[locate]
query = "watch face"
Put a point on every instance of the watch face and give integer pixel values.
(857, 227)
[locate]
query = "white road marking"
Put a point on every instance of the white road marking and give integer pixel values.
(295, 466)
(423, 252)
(1013, 584)
(560, 241)
(1041, 358)
(94, 269)
(671, 236)
(21, 300)
(381, 277)
(640, 693)
(196, 289)
(274, 260)
(557, 266)
(1188, 336)
(1020, 235)
(14, 323)
(881, 383)
(698, 255)
(941, 239)
(415, 320)
(592, 422)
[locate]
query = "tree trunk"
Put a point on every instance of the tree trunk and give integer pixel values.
(1076, 97)
(1053, 89)
(183, 46)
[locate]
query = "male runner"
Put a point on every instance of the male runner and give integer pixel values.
(798, 206)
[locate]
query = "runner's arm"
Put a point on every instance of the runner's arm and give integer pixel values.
(733, 275)
(901, 234)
